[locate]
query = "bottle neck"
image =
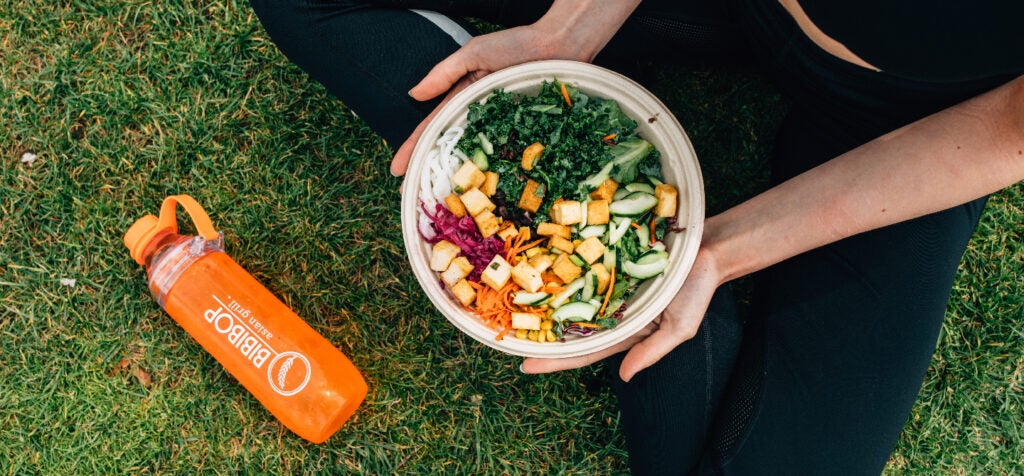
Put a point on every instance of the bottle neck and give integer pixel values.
(159, 241)
(171, 255)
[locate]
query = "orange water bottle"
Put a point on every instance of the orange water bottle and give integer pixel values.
(297, 374)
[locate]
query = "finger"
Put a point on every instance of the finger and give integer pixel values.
(442, 76)
(644, 354)
(400, 162)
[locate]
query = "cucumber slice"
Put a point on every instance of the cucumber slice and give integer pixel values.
(659, 246)
(480, 160)
(570, 289)
(655, 180)
(648, 269)
(640, 187)
(652, 256)
(616, 234)
(610, 256)
(575, 311)
(597, 179)
(589, 286)
(577, 260)
(592, 230)
(644, 235)
(485, 144)
(526, 298)
(620, 194)
(633, 204)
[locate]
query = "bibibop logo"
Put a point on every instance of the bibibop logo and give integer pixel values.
(289, 373)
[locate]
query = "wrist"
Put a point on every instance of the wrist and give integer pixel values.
(580, 29)
(724, 244)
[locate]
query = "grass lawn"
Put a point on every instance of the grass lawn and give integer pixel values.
(123, 103)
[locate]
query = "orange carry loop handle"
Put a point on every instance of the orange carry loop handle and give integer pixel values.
(146, 228)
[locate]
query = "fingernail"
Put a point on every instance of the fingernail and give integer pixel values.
(521, 370)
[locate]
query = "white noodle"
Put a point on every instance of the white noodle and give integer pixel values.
(442, 162)
(435, 182)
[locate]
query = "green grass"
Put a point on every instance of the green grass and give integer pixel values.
(127, 102)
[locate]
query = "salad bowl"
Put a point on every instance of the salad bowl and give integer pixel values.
(655, 124)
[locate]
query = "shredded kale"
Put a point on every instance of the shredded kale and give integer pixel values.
(579, 141)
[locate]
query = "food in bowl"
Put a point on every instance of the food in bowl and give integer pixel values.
(545, 212)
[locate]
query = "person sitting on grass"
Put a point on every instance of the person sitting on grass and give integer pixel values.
(904, 118)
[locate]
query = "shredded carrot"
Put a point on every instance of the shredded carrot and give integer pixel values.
(495, 307)
(608, 295)
(609, 137)
(653, 239)
(565, 94)
(519, 247)
(635, 225)
(588, 324)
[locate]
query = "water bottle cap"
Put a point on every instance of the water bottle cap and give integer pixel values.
(139, 235)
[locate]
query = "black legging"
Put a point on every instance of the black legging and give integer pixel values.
(821, 378)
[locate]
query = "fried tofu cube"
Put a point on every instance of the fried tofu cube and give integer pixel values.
(565, 269)
(490, 185)
(561, 244)
(525, 320)
(606, 190)
(455, 205)
(468, 176)
(554, 229)
(532, 197)
(667, 198)
(531, 154)
(458, 269)
(591, 249)
(442, 255)
(542, 261)
(497, 273)
(487, 223)
(463, 292)
(476, 202)
(527, 277)
(524, 231)
(507, 230)
(597, 212)
(603, 277)
(567, 212)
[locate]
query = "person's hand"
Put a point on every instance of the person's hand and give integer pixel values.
(479, 57)
(563, 33)
(677, 324)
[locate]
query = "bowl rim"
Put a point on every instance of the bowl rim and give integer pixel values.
(587, 77)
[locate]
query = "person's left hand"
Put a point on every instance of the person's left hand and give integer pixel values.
(479, 57)
(570, 30)
(677, 324)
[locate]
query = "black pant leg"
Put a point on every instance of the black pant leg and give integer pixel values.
(667, 409)
(367, 56)
(844, 338)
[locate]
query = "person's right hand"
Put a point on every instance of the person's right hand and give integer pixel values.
(678, 323)
(570, 30)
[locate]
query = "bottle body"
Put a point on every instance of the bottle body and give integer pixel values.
(297, 374)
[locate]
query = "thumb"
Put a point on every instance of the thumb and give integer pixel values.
(441, 77)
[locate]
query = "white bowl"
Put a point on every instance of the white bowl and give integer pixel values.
(679, 165)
